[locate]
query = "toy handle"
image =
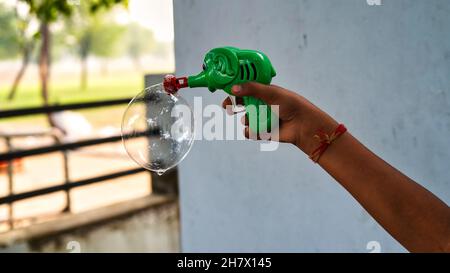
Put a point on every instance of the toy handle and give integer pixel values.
(259, 115)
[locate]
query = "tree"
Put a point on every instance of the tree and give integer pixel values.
(9, 36)
(95, 34)
(16, 39)
(105, 44)
(47, 12)
(140, 41)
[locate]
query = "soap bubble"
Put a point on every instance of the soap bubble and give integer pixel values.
(158, 129)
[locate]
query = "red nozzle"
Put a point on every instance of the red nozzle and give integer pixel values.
(172, 84)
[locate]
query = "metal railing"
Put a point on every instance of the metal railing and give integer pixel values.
(12, 154)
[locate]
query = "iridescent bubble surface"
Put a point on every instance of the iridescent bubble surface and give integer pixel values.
(158, 129)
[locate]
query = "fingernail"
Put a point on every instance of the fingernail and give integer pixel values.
(236, 89)
(229, 110)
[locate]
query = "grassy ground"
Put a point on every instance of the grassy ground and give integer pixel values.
(67, 90)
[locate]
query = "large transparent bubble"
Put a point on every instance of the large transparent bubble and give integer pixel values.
(158, 129)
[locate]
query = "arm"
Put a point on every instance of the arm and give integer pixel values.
(411, 214)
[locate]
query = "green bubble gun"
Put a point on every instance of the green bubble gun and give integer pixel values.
(224, 67)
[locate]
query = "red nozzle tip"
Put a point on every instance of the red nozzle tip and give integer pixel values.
(172, 84)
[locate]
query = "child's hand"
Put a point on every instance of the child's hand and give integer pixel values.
(299, 119)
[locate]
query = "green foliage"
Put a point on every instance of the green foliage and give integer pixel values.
(139, 41)
(49, 10)
(9, 34)
(106, 37)
(86, 33)
(88, 29)
(97, 5)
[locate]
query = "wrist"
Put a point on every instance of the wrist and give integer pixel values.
(312, 120)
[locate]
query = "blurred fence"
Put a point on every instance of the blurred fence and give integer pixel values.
(165, 184)
(12, 154)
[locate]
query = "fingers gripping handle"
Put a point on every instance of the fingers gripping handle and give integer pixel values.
(259, 115)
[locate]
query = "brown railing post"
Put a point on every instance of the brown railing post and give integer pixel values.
(66, 179)
(10, 183)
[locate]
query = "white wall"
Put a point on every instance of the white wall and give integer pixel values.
(383, 71)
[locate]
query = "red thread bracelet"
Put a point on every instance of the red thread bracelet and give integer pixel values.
(325, 141)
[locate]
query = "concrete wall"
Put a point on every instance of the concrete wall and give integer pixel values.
(152, 229)
(382, 70)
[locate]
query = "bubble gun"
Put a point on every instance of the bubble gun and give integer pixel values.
(224, 67)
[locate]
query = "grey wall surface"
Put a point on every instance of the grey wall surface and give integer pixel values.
(381, 70)
(150, 230)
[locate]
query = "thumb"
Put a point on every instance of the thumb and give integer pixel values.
(267, 93)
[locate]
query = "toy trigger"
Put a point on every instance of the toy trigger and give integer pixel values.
(235, 107)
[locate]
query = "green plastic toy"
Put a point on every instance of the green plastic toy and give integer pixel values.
(224, 67)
